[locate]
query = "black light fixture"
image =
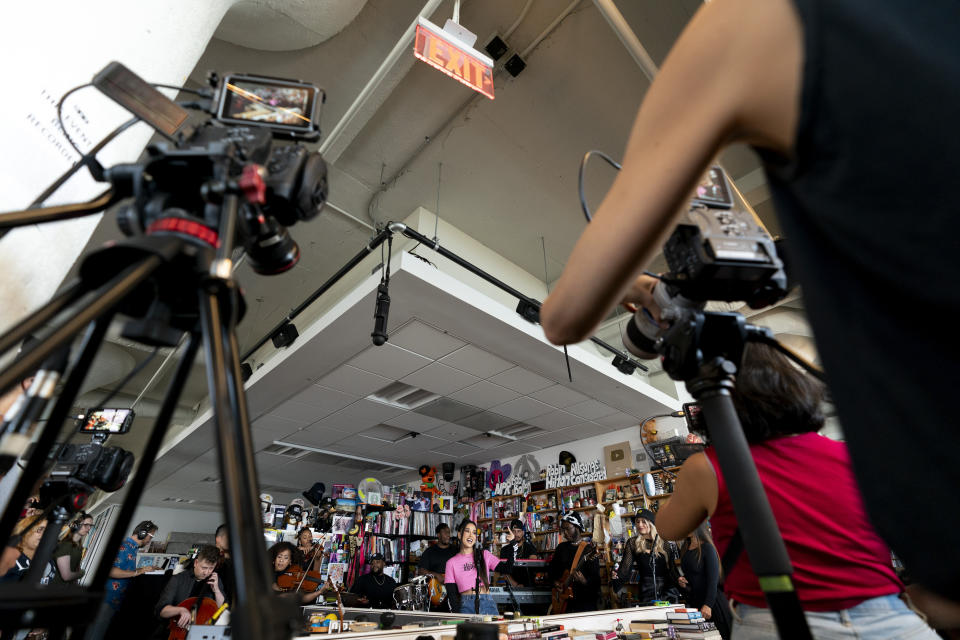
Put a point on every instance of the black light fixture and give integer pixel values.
(496, 47)
(529, 311)
(515, 65)
(246, 371)
(285, 335)
(624, 365)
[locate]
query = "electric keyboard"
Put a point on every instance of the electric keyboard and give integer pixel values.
(525, 595)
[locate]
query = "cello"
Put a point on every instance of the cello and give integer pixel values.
(202, 611)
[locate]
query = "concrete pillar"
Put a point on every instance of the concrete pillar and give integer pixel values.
(49, 48)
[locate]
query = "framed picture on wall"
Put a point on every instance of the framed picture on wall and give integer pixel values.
(446, 504)
(422, 501)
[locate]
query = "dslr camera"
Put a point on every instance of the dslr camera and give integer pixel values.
(720, 251)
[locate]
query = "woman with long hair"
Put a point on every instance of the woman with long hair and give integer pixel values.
(701, 578)
(281, 559)
(842, 570)
(16, 560)
(308, 556)
(67, 556)
(650, 559)
(468, 573)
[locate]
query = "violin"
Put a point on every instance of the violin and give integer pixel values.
(202, 611)
(296, 579)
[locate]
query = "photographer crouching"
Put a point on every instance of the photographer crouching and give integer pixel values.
(871, 239)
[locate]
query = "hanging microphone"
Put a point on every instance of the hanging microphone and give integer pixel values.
(380, 313)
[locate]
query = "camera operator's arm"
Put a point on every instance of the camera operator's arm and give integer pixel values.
(733, 75)
(694, 499)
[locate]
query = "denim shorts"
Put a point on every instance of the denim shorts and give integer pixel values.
(883, 618)
(487, 606)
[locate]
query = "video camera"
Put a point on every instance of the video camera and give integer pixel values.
(180, 186)
(720, 252)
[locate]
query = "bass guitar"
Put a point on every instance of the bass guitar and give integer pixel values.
(563, 589)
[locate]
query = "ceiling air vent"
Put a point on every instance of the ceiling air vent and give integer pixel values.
(286, 450)
(519, 430)
(403, 396)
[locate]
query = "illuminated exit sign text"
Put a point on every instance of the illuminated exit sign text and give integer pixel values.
(443, 51)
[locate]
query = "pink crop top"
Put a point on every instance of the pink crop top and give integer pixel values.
(460, 570)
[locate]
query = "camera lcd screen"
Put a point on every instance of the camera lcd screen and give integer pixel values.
(108, 421)
(283, 105)
(695, 420)
(712, 190)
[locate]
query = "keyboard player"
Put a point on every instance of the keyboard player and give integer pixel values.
(521, 576)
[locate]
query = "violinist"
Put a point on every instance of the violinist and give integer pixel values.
(281, 554)
(201, 582)
(307, 551)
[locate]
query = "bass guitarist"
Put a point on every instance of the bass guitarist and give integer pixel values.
(585, 579)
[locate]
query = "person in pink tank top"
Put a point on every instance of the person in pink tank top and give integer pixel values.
(843, 574)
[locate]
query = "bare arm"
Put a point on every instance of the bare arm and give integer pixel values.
(63, 567)
(9, 559)
(694, 499)
(733, 75)
(118, 573)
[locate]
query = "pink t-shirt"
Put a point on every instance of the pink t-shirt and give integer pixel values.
(838, 559)
(460, 570)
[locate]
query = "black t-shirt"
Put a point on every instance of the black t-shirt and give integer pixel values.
(584, 595)
(868, 205)
(66, 548)
(435, 558)
(521, 550)
(377, 589)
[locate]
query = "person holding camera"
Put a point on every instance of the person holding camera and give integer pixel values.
(842, 570)
(69, 552)
(201, 582)
(125, 566)
(865, 191)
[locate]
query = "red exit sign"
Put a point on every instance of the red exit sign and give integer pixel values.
(443, 51)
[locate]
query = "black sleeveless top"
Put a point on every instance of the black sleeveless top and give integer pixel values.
(870, 207)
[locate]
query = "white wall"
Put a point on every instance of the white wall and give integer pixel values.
(187, 520)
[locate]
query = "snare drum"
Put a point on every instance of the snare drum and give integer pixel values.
(405, 596)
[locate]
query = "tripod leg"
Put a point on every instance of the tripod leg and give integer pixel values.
(107, 298)
(761, 537)
(257, 613)
(38, 461)
(135, 488)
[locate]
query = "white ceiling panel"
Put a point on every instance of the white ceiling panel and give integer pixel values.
(485, 421)
(485, 395)
(326, 400)
(447, 409)
(389, 361)
(476, 361)
(452, 432)
(415, 422)
(522, 381)
(554, 420)
(440, 379)
(426, 341)
(302, 414)
(316, 436)
(360, 415)
(522, 408)
(512, 449)
(486, 441)
(275, 424)
(386, 432)
(618, 420)
(554, 438)
(591, 409)
(456, 449)
(559, 396)
(354, 381)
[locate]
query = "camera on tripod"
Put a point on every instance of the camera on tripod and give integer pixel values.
(720, 252)
(80, 468)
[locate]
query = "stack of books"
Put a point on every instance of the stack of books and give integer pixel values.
(522, 631)
(689, 624)
(645, 629)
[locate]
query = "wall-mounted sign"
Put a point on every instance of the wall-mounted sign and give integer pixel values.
(580, 472)
(444, 51)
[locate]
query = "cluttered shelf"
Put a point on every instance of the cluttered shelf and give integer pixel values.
(412, 536)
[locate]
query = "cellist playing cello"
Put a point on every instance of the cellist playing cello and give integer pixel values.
(200, 582)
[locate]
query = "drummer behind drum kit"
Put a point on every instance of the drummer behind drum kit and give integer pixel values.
(419, 594)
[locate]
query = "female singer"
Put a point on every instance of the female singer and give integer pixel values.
(468, 573)
(650, 556)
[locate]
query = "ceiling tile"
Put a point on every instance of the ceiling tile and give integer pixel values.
(302, 414)
(522, 381)
(591, 409)
(418, 446)
(554, 438)
(389, 361)
(591, 429)
(446, 409)
(559, 396)
(452, 432)
(456, 449)
(415, 422)
(386, 432)
(354, 381)
(511, 449)
(485, 441)
(440, 379)
(522, 408)
(275, 424)
(554, 420)
(328, 400)
(425, 340)
(618, 420)
(485, 421)
(476, 361)
(360, 415)
(316, 436)
(485, 395)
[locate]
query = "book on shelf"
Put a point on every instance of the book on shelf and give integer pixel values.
(606, 635)
(683, 617)
(550, 628)
(697, 635)
(523, 635)
(694, 626)
(644, 625)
